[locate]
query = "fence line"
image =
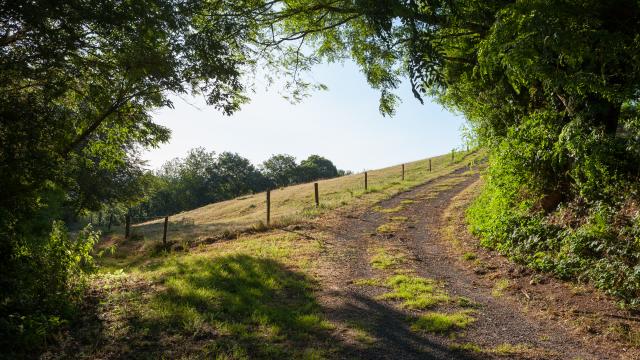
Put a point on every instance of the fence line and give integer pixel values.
(316, 192)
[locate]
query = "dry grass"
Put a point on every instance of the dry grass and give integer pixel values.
(291, 205)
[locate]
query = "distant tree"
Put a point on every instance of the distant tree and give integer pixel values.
(237, 176)
(280, 169)
(316, 167)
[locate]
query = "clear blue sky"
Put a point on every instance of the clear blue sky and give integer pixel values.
(342, 124)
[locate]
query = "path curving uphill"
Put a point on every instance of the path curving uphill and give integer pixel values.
(393, 280)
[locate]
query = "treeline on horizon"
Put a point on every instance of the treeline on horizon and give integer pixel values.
(202, 177)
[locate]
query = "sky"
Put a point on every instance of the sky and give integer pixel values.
(342, 124)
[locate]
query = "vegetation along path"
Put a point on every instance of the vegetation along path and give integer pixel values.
(395, 284)
(392, 274)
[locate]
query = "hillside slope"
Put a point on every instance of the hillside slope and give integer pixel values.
(289, 205)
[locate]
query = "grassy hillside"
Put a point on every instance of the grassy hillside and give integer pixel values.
(289, 205)
(252, 297)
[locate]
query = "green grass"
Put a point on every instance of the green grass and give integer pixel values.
(394, 209)
(251, 297)
(407, 201)
(414, 292)
(368, 282)
(470, 347)
(469, 256)
(361, 332)
(289, 205)
(399, 218)
(388, 228)
(499, 287)
(230, 294)
(511, 349)
(435, 322)
(383, 260)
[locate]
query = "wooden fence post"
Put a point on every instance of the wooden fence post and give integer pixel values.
(315, 188)
(402, 172)
(268, 207)
(164, 233)
(127, 225)
(429, 165)
(365, 181)
(452, 154)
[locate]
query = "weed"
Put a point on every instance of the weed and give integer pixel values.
(407, 201)
(388, 228)
(470, 347)
(511, 349)
(435, 322)
(469, 256)
(389, 210)
(382, 260)
(465, 302)
(499, 287)
(368, 282)
(399, 218)
(414, 292)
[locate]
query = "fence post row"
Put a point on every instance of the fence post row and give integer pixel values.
(315, 188)
(402, 172)
(164, 233)
(365, 181)
(268, 207)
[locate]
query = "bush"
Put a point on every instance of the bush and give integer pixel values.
(43, 282)
(601, 246)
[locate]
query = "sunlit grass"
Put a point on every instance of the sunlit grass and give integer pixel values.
(251, 297)
(388, 228)
(500, 287)
(383, 260)
(289, 205)
(414, 292)
(435, 322)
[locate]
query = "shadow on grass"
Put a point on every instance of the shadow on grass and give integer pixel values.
(391, 327)
(235, 306)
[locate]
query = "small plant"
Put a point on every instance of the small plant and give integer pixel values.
(499, 287)
(382, 260)
(469, 256)
(414, 292)
(511, 349)
(368, 282)
(465, 302)
(388, 228)
(470, 347)
(441, 323)
(389, 210)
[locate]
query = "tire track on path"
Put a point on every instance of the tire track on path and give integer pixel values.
(351, 238)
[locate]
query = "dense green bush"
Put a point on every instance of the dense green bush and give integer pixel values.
(593, 236)
(47, 280)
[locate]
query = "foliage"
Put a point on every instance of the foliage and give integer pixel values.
(203, 177)
(78, 80)
(550, 87)
(46, 297)
(281, 169)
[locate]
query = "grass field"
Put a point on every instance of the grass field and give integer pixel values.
(289, 205)
(249, 296)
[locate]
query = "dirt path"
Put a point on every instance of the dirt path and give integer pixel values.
(411, 235)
